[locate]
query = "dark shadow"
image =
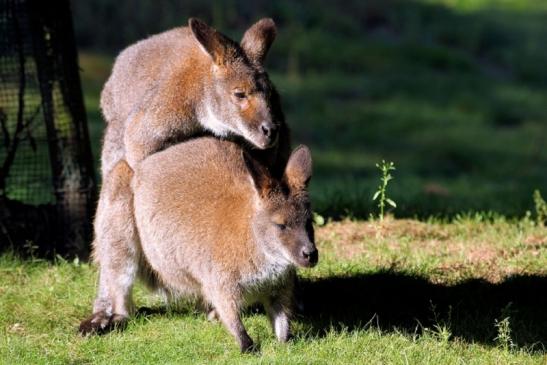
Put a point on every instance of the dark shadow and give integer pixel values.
(392, 301)
(397, 301)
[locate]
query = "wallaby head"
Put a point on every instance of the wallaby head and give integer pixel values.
(238, 98)
(282, 222)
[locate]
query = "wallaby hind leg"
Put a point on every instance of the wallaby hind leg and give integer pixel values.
(113, 149)
(116, 250)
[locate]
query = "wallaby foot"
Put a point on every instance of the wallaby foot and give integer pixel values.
(247, 346)
(279, 318)
(100, 323)
(116, 251)
(227, 310)
(212, 315)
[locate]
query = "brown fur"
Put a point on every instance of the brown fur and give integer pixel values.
(182, 83)
(214, 223)
(156, 95)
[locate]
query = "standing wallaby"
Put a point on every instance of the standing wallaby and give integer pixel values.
(186, 82)
(214, 223)
(170, 87)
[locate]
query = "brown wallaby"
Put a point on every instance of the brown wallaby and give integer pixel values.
(214, 223)
(186, 82)
(167, 88)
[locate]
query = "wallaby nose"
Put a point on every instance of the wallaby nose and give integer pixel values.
(312, 256)
(269, 129)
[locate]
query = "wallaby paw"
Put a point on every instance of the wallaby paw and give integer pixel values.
(100, 323)
(286, 337)
(212, 315)
(247, 346)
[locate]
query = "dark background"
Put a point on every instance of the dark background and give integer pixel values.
(453, 92)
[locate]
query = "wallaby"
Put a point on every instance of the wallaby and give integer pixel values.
(174, 86)
(187, 82)
(213, 222)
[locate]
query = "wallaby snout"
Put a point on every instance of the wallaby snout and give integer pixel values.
(310, 256)
(263, 135)
(303, 253)
(270, 132)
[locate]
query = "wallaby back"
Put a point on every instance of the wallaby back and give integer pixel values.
(195, 199)
(142, 67)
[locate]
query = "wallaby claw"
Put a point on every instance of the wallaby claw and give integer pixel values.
(100, 323)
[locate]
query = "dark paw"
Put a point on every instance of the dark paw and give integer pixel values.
(247, 346)
(286, 338)
(100, 323)
(147, 311)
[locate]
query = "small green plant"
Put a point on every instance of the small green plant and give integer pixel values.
(31, 249)
(503, 327)
(541, 208)
(441, 329)
(380, 194)
(318, 219)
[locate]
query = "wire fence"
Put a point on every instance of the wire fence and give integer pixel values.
(47, 186)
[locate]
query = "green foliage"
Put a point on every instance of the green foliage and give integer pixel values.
(453, 91)
(318, 219)
(503, 327)
(380, 194)
(541, 208)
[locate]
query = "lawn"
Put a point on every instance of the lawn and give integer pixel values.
(398, 291)
(454, 92)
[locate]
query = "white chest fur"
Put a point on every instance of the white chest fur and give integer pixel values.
(270, 275)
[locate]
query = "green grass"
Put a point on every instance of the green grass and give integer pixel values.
(452, 92)
(397, 291)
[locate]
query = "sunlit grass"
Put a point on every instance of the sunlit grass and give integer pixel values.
(367, 302)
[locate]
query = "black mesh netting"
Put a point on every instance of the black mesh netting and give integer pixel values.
(46, 174)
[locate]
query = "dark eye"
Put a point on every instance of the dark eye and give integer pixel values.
(240, 94)
(281, 226)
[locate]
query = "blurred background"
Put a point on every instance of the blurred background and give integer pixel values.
(454, 92)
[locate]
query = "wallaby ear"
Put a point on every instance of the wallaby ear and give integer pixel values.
(212, 42)
(257, 40)
(299, 168)
(260, 175)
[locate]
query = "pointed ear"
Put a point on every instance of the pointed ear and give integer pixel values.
(299, 168)
(212, 42)
(260, 175)
(257, 40)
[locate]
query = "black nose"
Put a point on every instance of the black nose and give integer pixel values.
(311, 255)
(269, 129)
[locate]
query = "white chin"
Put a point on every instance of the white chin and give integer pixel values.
(262, 145)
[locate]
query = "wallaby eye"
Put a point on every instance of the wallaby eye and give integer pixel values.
(281, 226)
(240, 94)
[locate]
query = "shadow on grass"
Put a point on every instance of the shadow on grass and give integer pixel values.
(395, 301)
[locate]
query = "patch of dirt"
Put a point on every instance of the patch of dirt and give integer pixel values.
(450, 251)
(481, 255)
(16, 328)
(350, 232)
(536, 240)
(351, 238)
